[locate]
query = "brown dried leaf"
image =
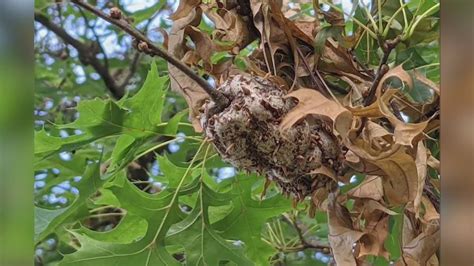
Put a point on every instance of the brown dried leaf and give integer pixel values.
(194, 95)
(397, 72)
(419, 250)
(400, 180)
(404, 132)
(400, 184)
(370, 206)
(370, 188)
(430, 212)
(433, 162)
(325, 171)
(184, 9)
(421, 168)
(373, 110)
(372, 243)
(342, 236)
(230, 29)
(362, 166)
(307, 27)
(313, 102)
(204, 45)
(319, 197)
(191, 58)
(336, 59)
(408, 233)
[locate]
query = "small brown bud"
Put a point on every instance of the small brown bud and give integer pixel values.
(115, 13)
(142, 46)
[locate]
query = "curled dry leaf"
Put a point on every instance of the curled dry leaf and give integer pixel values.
(336, 59)
(376, 224)
(204, 45)
(371, 206)
(433, 162)
(373, 110)
(372, 243)
(325, 171)
(318, 198)
(230, 29)
(430, 212)
(370, 188)
(195, 96)
(421, 168)
(404, 132)
(419, 250)
(184, 9)
(400, 180)
(361, 166)
(313, 102)
(342, 236)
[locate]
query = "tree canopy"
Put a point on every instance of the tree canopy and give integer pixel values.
(131, 168)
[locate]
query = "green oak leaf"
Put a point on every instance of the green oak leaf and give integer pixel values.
(49, 221)
(159, 211)
(248, 216)
(138, 117)
(203, 245)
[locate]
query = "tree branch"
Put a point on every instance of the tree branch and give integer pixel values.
(305, 244)
(383, 68)
(146, 45)
(133, 69)
(96, 36)
(387, 48)
(87, 55)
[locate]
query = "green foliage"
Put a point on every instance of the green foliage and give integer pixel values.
(183, 212)
(153, 227)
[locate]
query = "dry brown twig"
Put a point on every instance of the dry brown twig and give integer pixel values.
(145, 45)
(86, 55)
(383, 68)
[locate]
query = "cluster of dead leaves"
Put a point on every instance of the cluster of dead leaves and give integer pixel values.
(387, 149)
(285, 54)
(395, 160)
(195, 47)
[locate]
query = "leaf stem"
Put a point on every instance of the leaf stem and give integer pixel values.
(402, 9)
(383, 68)
(362, 25)
(418, 19)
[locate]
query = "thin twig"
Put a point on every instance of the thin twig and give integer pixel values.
(86, 55)
(305, 244)
(147, 46)
(387, 48)
(396, 110)
(133, 69)
(319, 82)
(383, 68)
(96, 36)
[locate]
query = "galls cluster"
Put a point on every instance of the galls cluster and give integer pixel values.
(247, 135)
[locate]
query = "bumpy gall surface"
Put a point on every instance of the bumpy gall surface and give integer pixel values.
(247, 135)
